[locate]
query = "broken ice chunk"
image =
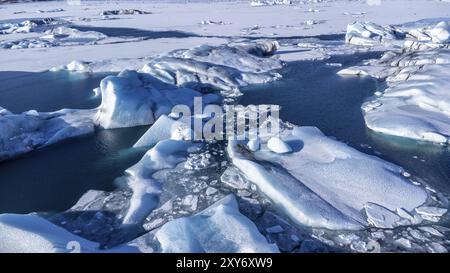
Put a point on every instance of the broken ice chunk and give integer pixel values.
(379, 216)
(219, 228)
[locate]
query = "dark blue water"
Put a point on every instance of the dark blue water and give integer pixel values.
(311, 93)
(54, 178)
(48, 91)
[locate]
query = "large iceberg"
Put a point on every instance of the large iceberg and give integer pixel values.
(133, 99)
(316, 183)
(31, 130)
(219, 228)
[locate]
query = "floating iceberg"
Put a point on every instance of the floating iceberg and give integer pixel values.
(132, 99)
(219, 228)
(317, 185)
(22, 133)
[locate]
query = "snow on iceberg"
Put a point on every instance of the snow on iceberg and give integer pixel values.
(22, 133)
(220, 68)
(317, 183)
(219, 228)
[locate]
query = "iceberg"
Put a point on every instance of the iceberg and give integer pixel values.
(220, 228)
(133, 99)
(317, 185)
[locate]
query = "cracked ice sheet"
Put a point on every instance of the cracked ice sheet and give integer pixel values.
(321, 173)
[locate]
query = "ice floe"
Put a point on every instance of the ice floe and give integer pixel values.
(316, 184)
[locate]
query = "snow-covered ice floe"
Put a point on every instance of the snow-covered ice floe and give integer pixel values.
(219, 228)
(321, 182)
(25, 132)
(416, 103)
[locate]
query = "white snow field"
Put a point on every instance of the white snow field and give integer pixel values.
(416, 103)
(240, 18)
(298, 191)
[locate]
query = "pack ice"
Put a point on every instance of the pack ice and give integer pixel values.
(321, 182)
(416, 103)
